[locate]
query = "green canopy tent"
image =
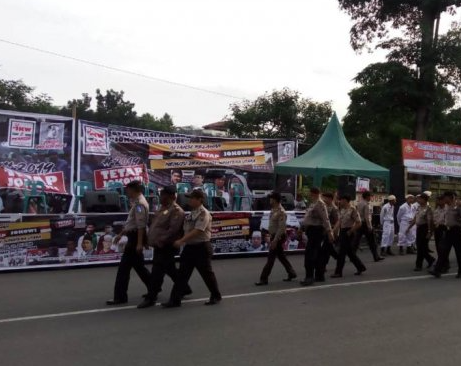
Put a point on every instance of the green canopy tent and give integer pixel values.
(332, 155)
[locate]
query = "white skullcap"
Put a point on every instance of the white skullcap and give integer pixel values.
(428, 193)
(391, 198)
(256, 234)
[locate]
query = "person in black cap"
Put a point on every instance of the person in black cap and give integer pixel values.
(277, 231)
(349, 222)
(452, 236)
(197, 252)
(165, 228)
(366, 228)
(135, 230)
(316, 223)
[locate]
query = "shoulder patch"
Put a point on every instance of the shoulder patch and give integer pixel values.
(139, 208)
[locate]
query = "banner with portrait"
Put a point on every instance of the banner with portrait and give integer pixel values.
(109, 153)
(87, 239)
(35, 147)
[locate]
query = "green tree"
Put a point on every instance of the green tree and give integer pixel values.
(436, 57)
(113, 108)
(82, 107)
(280, 114)
(15, 95)
(150, 122)
(382, 111)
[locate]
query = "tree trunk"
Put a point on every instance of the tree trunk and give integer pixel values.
(427, 69)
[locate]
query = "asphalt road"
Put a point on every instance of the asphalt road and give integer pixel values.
(388, 316)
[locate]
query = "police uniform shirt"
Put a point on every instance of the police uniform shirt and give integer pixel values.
(199, 219)
(166, 226)
(348, 217)
(453, 217)
(363, 207)
(424, 215)
(277, 223)
(317, 215)
(333, 214)
(440, 214)
(138, 215)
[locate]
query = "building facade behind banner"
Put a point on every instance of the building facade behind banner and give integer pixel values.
(35, 147)
(74, 240)
(109, 153)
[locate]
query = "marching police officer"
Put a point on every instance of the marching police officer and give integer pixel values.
(366, 228)
(277, 231)
(316, 223)
(424, 221)
(166, 227)
(452, 236)
(328, 247)
(197, 252)
(135, 230)
(349, 222)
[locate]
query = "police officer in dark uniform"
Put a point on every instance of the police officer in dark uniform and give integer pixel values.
(277, 231)
(366, 228)
(452, 236)
(197, 252)
(328, 247)
(349, 222)
(166, 227)
(316, 224)
(135, 230)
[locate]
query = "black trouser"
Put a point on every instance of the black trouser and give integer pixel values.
(452, 239)
(328, 250)
(422, 246)
(163, 264)
(195, 256)
(346, 248)
(312, 257)
(370, 236)
(279, 253)
(130, 259)
(439, 237)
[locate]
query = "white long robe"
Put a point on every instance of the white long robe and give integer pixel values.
(387, 222)
(405, 215)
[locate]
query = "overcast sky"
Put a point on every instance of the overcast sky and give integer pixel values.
(238, 47)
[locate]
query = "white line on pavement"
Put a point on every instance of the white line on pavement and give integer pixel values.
(236, 296)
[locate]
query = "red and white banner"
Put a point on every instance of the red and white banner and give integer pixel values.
(54, 182)
(124, 175)
(431, 158)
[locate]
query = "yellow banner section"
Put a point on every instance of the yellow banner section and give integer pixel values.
(230, 234)
(208, 146)
(15, 232)
(26, 238)
(231, 222)
(195, 163)
(24, 225)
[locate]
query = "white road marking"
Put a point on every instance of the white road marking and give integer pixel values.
(236, 296)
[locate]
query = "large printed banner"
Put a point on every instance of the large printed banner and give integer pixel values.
(38, 148)
(431, 158)
(109, 153)
(89, 239)
(53, 182)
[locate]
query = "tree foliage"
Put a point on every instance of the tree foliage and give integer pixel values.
(111, 106)
(382, 112)
(436, 57)
(280, 114)
(15, 95)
